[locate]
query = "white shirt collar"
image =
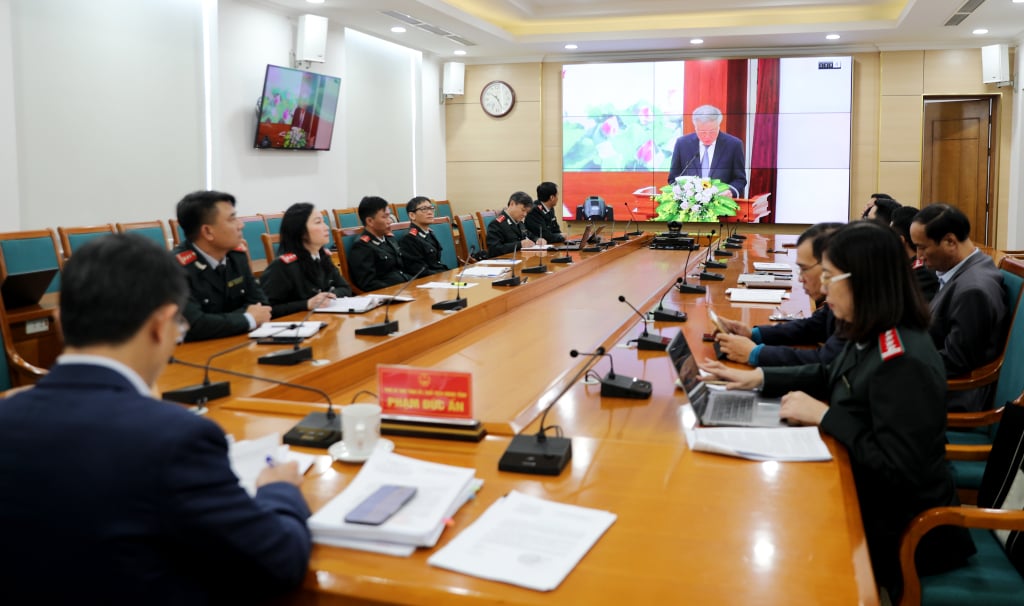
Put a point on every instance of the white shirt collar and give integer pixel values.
(213, 263)
(946, 276)
(109, 363)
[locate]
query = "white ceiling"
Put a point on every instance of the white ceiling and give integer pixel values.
(530, 30)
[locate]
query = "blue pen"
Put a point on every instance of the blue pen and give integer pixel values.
(270, 461)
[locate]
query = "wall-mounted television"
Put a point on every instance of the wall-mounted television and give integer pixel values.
(297, 109)
(792, 117)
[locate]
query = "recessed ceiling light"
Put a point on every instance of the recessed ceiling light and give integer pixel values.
(460, 52)
(315, 1)
(832, 37)
(398, 29)
(980, 31)
(571, 47)
(697, 41)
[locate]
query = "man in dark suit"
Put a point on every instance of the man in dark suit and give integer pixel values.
(126, 499)
(970, 315)
(225, 299)
(376, 261)
(507, 232)
(710, 153)
(542, 222)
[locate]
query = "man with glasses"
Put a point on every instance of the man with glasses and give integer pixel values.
(771, 345)
(710, 153)
(421, 249)
(131, 499)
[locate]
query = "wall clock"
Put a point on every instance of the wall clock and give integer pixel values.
(497, 98)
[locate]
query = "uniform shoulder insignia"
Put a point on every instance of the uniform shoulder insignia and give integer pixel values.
(289, 258)
(889, 345)
(500, 218)
(413, 231)
(186, 256)
(364, 238)
(242, 247)
(918, 264)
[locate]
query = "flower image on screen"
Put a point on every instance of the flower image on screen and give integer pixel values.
(297, 110)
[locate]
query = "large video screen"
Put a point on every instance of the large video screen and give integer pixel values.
(782, 150)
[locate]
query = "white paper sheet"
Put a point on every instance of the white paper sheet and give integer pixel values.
(484, 272)
(760, 443)
(249, 457)
(286, 329)
(446, 285)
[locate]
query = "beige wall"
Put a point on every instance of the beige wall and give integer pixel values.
(490, 158)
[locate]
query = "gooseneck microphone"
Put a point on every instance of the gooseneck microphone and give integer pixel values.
(718, 249)
(538, 453)
(661, 314)
(710, 260)
(388, 326)
(293, 355)
(316, 430)
(539, 268)
(688, 163)
(567, 258)
(646, 340)
(203, 392)
(709, 275)
(514, 280)
(458, 302)
(618, 386)
(686, 288)
(632, 219)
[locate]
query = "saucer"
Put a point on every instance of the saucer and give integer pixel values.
(339, 452)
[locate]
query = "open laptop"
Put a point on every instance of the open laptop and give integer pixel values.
(578, 244)
(24, 289)
(713, 407)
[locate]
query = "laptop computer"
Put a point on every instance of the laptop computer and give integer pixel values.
(24, 289)
(713, 407)
(578, 244)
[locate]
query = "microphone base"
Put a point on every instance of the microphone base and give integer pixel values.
(528, 454)
(198, 394)
(634, 233)
(651, 342)
(619, 386)
(692, 289)
(513, 281)
(591, 249)
(732, 245)
(451, 304)
(565, 259)
(381, 329)
(739, 236)
(712, 276)
(716, 264)
(668, 315)
(621, 238)
(287, 357)
(534, 269)
(315, 431)
(722, 253)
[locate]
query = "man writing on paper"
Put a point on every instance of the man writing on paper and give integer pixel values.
(710, 153)
(507, 232)
(112, 497)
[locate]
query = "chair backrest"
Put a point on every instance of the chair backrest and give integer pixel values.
(73, 237)
(484, 218)
(400, 211)
(31, 250)
(400, 229)
(177, 233)
(154, 230)
(442, 228)
(1011, 375)
(443, 209)
(253, 227)
(270, 242)
(272, 222)
(469, 236)
(344, 238)
(328, 221)
(347, 217)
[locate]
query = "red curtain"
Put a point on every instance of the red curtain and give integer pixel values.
(765, 150)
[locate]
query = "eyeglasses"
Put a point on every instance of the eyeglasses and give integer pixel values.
(425, 209)
(183, 327)
(808, 268)
(826, 280)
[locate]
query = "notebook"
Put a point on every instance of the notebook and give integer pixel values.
(22, 290)
(733, 408)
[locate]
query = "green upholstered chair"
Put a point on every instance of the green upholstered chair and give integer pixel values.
(469, 236)
(993, 575)
(484, 218)
(347, 217)
(400, 229)
(31, 250)
(154, 230)
(400, 211)
(177, 233)
(443, 208)
(73, 237)
(270, 242)
(344, 238)
(272, 222)
(442, 228)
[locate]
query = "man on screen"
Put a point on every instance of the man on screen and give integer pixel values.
(710, 153)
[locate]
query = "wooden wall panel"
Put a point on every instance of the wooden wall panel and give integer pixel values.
(474, 186)
(901, 180)
(902, 72)
(899, 128)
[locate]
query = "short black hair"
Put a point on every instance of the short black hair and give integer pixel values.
(371, 205)
(521, 198)
(902, 217)
(885, 293)
(814, 233)
(293, 228)
(412, 205)
(545, 190)
(884, 208)
(113, 284)
(200, 208)
(941, 219)
(881, 196)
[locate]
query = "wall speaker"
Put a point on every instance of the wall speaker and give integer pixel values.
(454, 80)
(311, 39)
(995, 63)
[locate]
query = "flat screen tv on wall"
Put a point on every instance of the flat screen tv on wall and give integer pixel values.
(297, 109)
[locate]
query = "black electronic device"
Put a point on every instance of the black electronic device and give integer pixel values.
(202, 393)
(458, 302)
(646, 341)
(388, 326)
(710, 275)
(664, 242)
(661, 314)
(564, 259)
(292, 355)
(710, 261)
(514, 280)
(618, 386)
(686, 288)
(539, 268)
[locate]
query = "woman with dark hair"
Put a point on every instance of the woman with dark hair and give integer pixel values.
(303, 276)
(885, 397)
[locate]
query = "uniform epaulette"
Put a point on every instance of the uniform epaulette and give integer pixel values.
(242, 247)
(500, 218)
(186, 256)
(365, 238)
(413, 231)
(889, 345)
(289, 258)
(917, 264)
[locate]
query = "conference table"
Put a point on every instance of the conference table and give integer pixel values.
(692, 527)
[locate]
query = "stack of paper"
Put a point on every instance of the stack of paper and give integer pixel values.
(249, 457)
(767, 266)
(284, 330)
(358, 305)
(441, 491)
(525, 541)
(760, 443)
(483, 272)
(758, 295)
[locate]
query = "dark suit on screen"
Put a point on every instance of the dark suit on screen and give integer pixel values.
(728, 164)
(112, 497)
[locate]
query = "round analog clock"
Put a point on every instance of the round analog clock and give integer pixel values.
(497, 98)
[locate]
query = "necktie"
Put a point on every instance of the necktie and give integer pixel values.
(705, 162)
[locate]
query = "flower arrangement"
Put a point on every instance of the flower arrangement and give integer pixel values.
(693, 199)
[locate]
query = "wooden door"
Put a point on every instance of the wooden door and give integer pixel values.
(956, 160)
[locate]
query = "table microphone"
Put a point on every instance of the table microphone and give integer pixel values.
(538, 453)
(632, 218)
(710, 275)
(690, 289)
(316, 430)
(646, 340)
(688, 163)
(660, 314)
(514, 280)
(718, 249)
(292, 356)
(617, 386)
(388, 326)
(710, 261)
(565, 243)
(203, 392)
(539, 268)
(458, 302)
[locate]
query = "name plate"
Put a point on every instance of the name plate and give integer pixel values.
(437, 394)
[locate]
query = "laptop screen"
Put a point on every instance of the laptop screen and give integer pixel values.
(684, 362)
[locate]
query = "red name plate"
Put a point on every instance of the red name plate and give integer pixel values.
(407, 390)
